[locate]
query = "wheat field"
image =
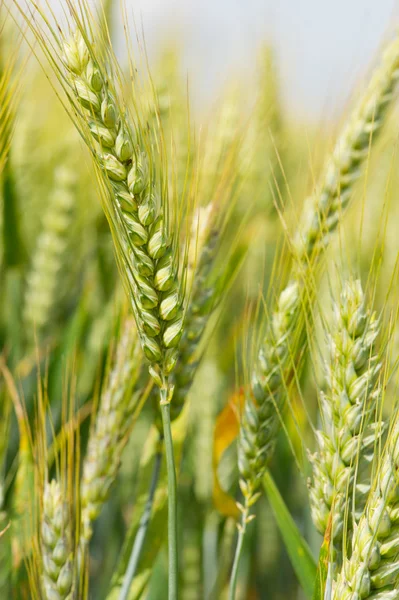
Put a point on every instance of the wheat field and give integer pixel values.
(198, 322)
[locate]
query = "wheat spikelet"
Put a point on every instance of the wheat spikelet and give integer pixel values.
(372, 571)
(56, 545)
(348, 411)
(260, 421)
(112, 423)
(44, 277)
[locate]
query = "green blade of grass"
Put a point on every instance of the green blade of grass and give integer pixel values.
(298, 550)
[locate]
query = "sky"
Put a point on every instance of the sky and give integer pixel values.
(323, 47)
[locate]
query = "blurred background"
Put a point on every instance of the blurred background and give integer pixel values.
(322, 47)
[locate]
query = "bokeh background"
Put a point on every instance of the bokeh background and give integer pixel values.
(269, 81)
(322, 47)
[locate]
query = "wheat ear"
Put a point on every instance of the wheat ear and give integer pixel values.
(274, 366)
(44, 277)
(372, 571)
(348, 411)
(344, 167)
(261, 420)
(112, 423)
(56, 545)
(137, 210)
(147, 248)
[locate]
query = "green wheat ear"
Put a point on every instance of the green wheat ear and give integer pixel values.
(322, 212)
(111, 427)
(136, 202)
(45, 276)
(276, 362)
(344, 167)
(348, 410)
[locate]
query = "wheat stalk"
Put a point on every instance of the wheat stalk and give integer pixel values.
(348, 412)
(56, 545)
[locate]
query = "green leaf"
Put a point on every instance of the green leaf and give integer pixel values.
(14, 253)
(322, 568)
(13, 242)
(13, 288)
(5, 556)
(298, 550)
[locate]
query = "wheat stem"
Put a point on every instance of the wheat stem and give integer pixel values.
(143, 527)
(172, 491)
(237, 556)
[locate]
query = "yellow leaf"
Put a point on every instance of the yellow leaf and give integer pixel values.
(226, 431)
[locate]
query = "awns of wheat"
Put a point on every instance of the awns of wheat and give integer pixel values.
(348, 410)
(260, 421)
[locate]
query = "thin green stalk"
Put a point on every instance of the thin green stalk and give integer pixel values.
(143, 527)
(172, 493)
(240, 542)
